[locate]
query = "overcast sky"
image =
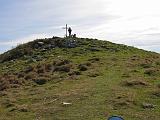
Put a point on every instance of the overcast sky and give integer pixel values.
(131, 22)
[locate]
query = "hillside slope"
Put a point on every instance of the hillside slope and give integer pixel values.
(78, 79)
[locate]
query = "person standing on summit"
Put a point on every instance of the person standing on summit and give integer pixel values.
(70, 31)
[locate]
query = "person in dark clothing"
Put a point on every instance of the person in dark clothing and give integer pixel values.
(70, 31)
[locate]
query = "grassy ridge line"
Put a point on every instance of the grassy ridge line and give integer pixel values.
(97, 78)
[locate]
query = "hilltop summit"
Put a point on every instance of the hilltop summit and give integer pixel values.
(78, 78)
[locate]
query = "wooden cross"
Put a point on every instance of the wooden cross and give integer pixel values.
(66, 28)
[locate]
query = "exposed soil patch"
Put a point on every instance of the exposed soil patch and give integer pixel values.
(132, 83)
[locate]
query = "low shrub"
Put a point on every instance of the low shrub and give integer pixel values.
(61, 69)
(82, 67)
(40, 81)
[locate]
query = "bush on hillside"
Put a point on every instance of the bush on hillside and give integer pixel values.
(40, 81)
(82, 67)
(15, 53)
(61, 69)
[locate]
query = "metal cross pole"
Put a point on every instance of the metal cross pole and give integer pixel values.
(66, 28)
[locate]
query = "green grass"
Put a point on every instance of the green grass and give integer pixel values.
(95, 94)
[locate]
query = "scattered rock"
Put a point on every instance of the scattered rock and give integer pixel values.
(70, 43)
(41, 43)
(43, 50)
(148, 106)
(65, 103)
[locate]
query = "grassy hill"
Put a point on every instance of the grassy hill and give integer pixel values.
(78, 79)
